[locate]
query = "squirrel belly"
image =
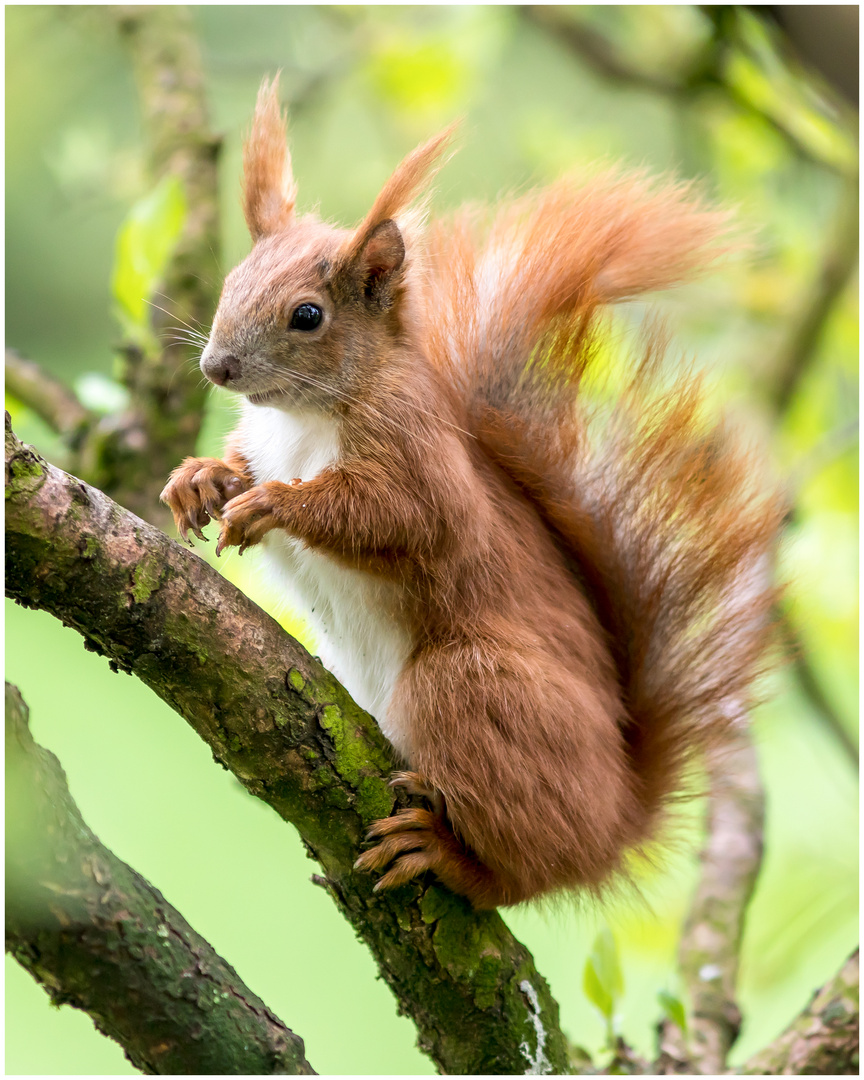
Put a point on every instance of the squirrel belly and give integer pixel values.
(358, 618)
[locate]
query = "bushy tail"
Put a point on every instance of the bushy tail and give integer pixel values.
(497, 287)
(661, 512)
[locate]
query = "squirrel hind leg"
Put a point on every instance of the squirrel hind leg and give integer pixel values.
(415, 841)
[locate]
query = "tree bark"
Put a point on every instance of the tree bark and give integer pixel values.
(294, 738)
(823, 1040)
(99, 937)
(710, 947)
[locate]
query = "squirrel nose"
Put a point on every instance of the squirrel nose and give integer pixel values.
(221, 370)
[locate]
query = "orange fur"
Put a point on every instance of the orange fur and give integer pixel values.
(584, 588)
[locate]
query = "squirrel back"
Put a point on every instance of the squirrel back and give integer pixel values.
(558, 601)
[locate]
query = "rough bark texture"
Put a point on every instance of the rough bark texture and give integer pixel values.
(99, 937)
(823, 1041)
(293, 736)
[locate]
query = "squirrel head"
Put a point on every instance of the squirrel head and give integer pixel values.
(311, 312)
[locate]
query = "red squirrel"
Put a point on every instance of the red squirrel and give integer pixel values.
(548, 607)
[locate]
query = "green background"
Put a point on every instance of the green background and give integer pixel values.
(368, 84)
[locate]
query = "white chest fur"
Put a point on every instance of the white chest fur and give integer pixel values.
(362, 636)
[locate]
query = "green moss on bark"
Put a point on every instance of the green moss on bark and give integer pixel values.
(297, 741)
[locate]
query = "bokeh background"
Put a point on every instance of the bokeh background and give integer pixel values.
(539, 93)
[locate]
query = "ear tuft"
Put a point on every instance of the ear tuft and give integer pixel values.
(411, 176)
(269, 192)
(381, 256)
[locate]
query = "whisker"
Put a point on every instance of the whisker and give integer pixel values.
(194, 334)
(186, 339)
(173, 315)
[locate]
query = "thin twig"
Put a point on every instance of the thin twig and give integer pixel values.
(708, 955)
(97, 936)
(706, 71)
(838, 265)
(599, 52)
(811, 687)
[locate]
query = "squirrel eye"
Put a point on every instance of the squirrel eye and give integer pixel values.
(306, 317)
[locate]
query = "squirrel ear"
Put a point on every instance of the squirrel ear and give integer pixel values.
(378, 257)
(269, 191)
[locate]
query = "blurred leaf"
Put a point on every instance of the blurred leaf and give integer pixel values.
(100, 393)
(145, 244)
(673, 1008)
(428, 73)
(602, 980)
(418, 75)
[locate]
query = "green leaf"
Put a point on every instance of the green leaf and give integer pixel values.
(145, 244)
(673, 1008)
(602, 981)
(101, 394)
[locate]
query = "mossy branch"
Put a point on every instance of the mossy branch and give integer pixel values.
(823, 1040)
(292, 735)
(99, 937)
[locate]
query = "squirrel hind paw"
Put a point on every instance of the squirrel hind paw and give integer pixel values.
(409, 840)
(405, 869)
(389, 848)
(414, 841)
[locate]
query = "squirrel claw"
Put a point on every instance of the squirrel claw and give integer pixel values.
(414, 784)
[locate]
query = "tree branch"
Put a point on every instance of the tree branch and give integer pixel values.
(706, 70)
(711, 940)
(838, 265)
(811, 687)
(99, 937)
(130, 455)
(599, 53)
(823, 1040)
(47, 396)
(294, 738)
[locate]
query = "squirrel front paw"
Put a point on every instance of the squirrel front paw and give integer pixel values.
(197, 491)
(248, 518)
